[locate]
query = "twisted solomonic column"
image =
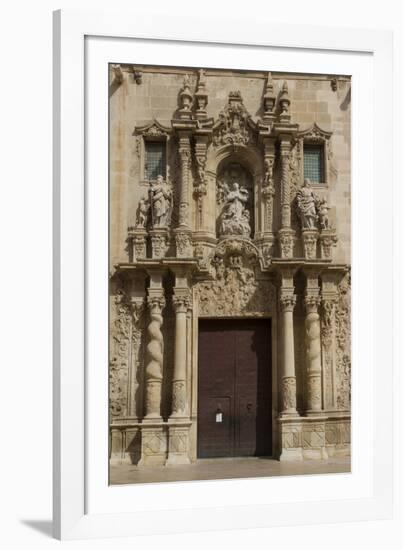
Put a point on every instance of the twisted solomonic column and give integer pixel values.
(155, 349)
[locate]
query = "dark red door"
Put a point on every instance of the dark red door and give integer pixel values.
(234, 388)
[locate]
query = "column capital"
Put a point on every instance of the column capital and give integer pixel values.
(285, 145)
(155, 300)
(312, 302)
(287, 300)
(181, 301)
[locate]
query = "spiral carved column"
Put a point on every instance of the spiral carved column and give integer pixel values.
(155, 349)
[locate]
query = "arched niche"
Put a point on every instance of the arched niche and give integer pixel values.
(221, 162)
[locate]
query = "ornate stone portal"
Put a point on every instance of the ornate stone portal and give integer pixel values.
(229, 231)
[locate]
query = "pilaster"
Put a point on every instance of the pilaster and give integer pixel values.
(329, 296)
(184, 156)
(285, 150)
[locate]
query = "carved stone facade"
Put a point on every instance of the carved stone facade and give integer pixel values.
(229, 225)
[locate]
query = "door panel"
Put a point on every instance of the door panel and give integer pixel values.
(234, 379)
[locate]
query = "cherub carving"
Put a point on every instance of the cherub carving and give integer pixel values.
(142, 213)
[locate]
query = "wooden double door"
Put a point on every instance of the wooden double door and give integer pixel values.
(234, 388)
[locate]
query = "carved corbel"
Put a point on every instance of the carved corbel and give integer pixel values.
(328, 240)
(137, 75)
(118, 73)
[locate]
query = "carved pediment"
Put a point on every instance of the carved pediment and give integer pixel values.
(152, 129)
(234, 125)
(315, 133)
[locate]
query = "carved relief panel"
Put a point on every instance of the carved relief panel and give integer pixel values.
(343, 344)
(234, 288)
(126, 355)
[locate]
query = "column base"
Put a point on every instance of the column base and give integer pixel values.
(291, 455)
(153, 444)
(178, 442)
(320, 415)
(289, 414)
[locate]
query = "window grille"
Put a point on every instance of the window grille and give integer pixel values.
(313, 163)
(155, 161)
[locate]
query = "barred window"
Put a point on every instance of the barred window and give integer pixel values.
(155, 159)
(313, 163)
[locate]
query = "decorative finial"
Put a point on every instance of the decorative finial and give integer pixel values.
(201, 96)
(185, 98)
(269, 97)
(284, 101)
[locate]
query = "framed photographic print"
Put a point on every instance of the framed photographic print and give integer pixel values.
(221, 349)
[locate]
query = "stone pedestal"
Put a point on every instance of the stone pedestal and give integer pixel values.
(286, 238)
(327, 241)
(313, 439)
(183, 243)
(178, 442)
(290, 439)
(137, 237)
(309, 241)
(267, 247)
(159, 242)
(153, 444)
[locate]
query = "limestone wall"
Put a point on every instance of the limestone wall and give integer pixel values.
(314, 99)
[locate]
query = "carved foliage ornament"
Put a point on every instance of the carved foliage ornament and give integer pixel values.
(234, 289)
(235, 125)
(343, 344)
(127, 322)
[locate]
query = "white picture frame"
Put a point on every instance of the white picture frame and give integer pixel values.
(84, 505)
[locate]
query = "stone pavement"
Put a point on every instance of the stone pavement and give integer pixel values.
(225, 468)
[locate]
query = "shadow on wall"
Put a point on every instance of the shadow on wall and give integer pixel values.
(43, 526)
(346, 101)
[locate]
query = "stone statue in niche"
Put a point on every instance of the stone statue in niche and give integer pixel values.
(161, 203)
(307, 202)
(234, 194)
(312, 209)
(142, 213)
(235, 217)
